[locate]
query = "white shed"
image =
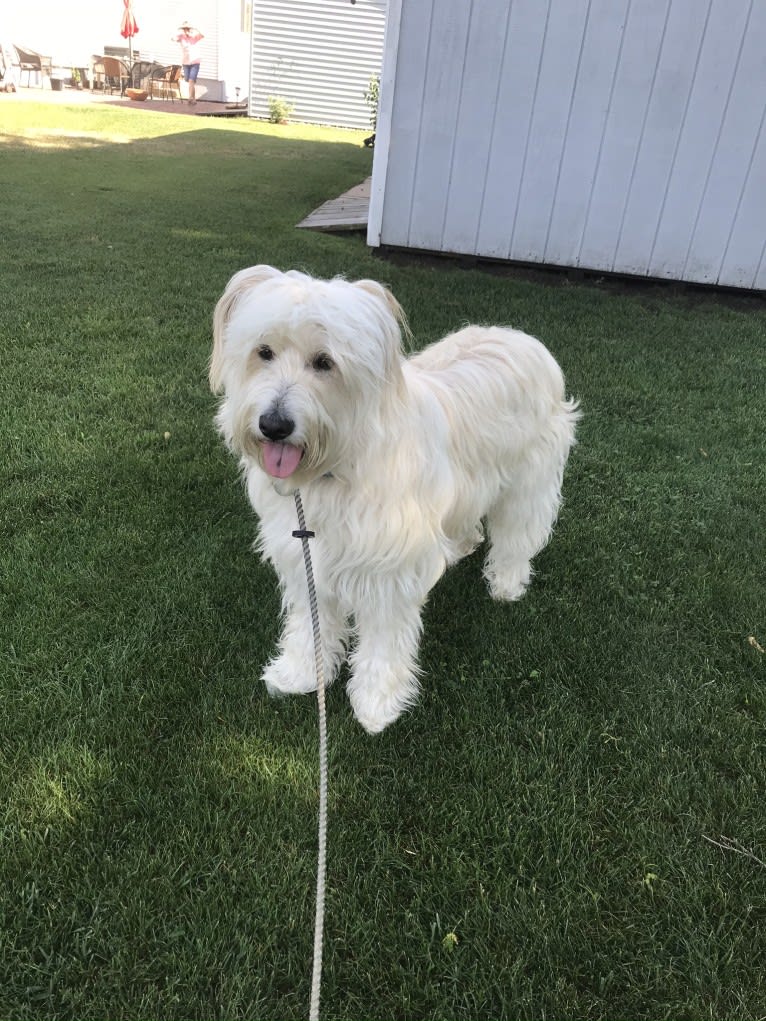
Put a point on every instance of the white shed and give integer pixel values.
(317, 55)
(611, 135)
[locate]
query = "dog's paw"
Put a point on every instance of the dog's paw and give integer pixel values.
(381, 697)
(375, 714)
(290, 675)
(505, 592)
(508, 585)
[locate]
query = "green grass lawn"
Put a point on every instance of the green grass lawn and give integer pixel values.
(530, 842)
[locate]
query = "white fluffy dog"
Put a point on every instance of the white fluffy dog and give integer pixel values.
(399, 461)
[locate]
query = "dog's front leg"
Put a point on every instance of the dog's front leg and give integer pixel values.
(384, 679)
(293, 670)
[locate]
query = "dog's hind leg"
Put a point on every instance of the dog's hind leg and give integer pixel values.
(519, 524)
(293, 671)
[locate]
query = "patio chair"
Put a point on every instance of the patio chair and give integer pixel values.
(29, 61)
(165, 82)
(97, 73)
(116, 75)
(141, 71)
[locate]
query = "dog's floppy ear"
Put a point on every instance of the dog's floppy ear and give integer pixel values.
(393, 331)
(236, 287)
(383, 294)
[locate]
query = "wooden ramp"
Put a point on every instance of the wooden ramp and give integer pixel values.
(348, 212)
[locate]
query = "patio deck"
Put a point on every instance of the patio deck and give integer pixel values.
(66, 96)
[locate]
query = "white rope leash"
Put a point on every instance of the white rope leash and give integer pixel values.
(316, 976)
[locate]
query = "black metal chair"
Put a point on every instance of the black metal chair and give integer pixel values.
(165, 82)
(29, 61)
(141, 71)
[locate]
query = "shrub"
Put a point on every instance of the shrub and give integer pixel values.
(279, 110)
(371, 99)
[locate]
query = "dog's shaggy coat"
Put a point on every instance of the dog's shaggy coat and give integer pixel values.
(400, 463)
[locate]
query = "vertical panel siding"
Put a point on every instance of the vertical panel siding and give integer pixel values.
(548, 127)
(672, 84)
(509, 127)
(731, 214)
(622, 135)
(445, 65)
(711, 95)
(407, 113)
(382, 150)
(485, 43)
(629, 102)
(318, 55)
(744, 256)
(744, 262)
(591, 104)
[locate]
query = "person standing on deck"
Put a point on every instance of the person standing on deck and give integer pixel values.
(190, 38)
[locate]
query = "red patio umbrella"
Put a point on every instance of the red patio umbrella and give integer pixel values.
(129, 26)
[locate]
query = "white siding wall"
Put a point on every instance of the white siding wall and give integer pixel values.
(157, 40)
(318, 55)
(618, 135)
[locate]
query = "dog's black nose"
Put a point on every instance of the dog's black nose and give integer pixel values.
(275, 426)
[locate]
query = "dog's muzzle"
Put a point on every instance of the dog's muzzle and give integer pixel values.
(275, 426)
(280, 458)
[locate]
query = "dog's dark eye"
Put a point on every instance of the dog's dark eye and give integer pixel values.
(322, 363)
(265, 353)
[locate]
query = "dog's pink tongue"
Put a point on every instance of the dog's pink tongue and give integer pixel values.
(281, 459)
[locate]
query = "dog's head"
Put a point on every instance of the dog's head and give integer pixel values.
(308, 369)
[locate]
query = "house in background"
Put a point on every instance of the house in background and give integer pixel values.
(318, 56)
(607, 135)
(73, 32)
(225, 50)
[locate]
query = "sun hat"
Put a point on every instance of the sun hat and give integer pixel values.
(185, 24)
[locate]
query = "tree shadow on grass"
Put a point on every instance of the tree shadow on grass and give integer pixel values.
(175, 206)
